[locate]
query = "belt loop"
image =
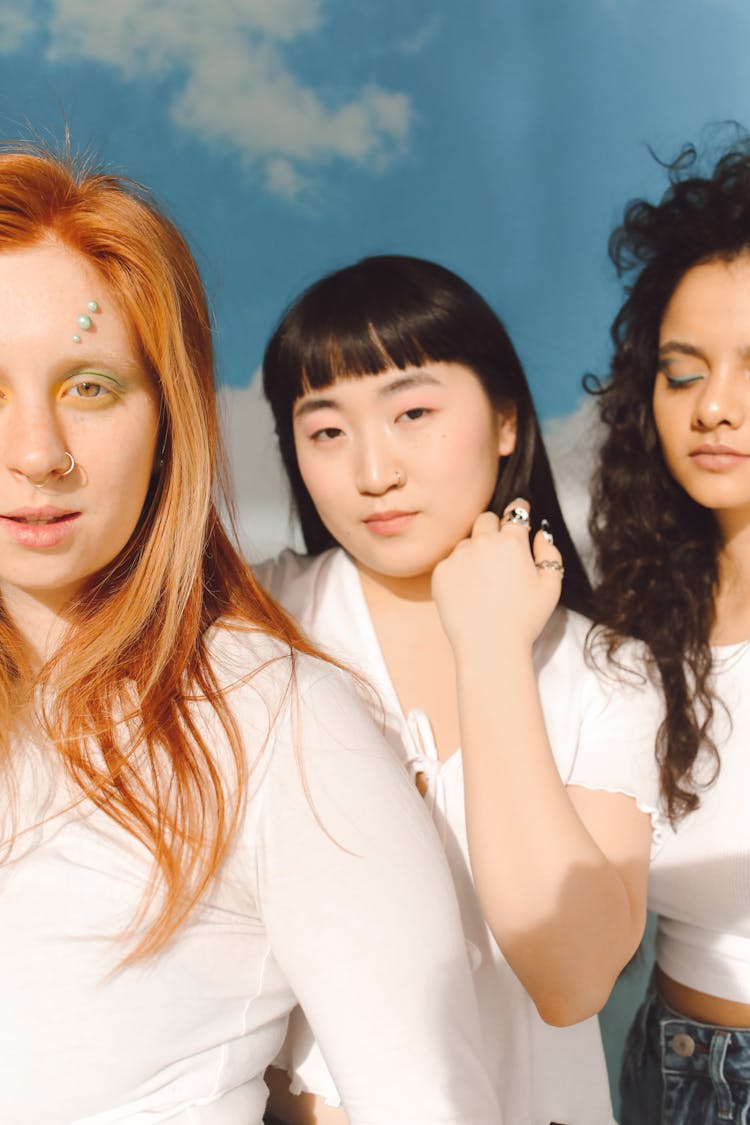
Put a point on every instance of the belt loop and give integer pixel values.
(717, 1052)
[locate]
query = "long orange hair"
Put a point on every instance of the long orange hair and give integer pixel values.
(138, 631)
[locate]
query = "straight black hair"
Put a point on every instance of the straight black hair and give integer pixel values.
(395, 311)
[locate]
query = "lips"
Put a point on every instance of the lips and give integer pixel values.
(389, 523)
(717, 458)
(38, 527)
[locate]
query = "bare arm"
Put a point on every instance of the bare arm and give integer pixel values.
(299, 1109)
(561, 874)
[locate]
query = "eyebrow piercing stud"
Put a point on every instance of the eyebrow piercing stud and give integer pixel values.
(84, 320)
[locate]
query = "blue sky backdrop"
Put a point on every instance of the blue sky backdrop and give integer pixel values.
(289, 137)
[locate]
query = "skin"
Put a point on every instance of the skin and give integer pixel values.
(93, 399)
(425, 441)
(585, 852)
(701, 404)
(434, 585)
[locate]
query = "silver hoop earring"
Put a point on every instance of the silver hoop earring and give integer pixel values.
(64, 473)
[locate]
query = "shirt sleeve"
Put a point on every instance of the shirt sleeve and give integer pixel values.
(622, 710)
(360, 911)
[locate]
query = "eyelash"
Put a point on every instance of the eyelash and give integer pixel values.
(89, 384)
(677, 382)
(415, 413)
(328, 433)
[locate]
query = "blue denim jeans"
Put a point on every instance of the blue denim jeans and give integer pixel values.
(679, 1072)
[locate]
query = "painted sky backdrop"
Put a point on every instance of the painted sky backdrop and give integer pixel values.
(288, 137)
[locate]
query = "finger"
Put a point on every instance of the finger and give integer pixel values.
(543, 549)
(488, 523)
(547, 558)
(517, 512)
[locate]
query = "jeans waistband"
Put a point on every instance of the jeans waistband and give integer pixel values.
(689, 1047)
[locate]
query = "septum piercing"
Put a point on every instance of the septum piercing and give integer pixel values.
(85, 322)
(66, 473)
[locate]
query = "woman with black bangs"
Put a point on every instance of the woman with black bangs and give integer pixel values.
(415, 459)
(671, 524)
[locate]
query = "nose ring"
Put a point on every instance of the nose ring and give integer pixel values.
(65, 473)
(399, 478)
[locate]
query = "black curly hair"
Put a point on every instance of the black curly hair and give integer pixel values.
(657, 549)
(396, 311)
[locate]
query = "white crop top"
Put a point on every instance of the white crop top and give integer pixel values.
(700, 881)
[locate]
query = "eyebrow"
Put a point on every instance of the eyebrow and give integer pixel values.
(308, 405)
(681, 348)
(401, 383)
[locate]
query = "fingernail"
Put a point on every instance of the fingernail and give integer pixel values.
(544, 526)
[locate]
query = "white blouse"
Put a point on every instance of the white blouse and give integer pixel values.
(335, 894)
(602, 733)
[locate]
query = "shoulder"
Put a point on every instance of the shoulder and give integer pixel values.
(575, 642)
(255, 670)
(293, 579)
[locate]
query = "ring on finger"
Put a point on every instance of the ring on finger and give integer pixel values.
(550, 564)
(516, 515)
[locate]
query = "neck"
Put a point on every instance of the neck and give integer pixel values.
(385, 587)
(39, 624)
(732, 600)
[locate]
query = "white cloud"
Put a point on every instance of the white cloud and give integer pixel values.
(282, 178)
(228, 79)
(573, 443)
(416, 42)
(260, 484)
(15, 28)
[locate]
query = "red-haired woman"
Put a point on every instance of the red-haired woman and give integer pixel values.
(195, 806)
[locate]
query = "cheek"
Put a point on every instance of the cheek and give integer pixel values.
(323, 485)
(666, 423)
(469, 457)
(129, 464)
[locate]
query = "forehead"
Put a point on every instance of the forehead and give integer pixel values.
(45, 288)
(713, 293)
(47, 267)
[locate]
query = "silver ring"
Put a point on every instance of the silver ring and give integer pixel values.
(399, 477)
(516, 515)
(550, 564)
(65, 473)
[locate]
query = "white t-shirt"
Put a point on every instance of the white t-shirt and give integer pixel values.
(335, 894)
(700, 881)
(602, 734)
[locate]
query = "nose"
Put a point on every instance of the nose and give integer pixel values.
(34, 445)
(722, 400)
(376, 466)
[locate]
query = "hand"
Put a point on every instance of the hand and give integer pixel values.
(492, 589)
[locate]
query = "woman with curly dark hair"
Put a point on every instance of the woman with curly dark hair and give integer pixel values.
(671, 524)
